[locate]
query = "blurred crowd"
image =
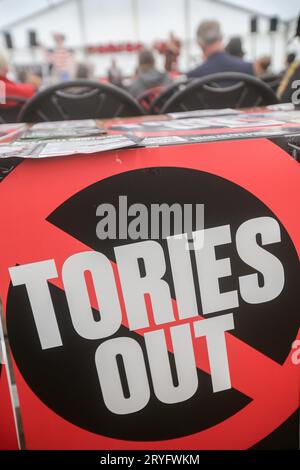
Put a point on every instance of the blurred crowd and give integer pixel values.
(215, 57)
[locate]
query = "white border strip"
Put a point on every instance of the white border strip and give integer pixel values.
(3, 360)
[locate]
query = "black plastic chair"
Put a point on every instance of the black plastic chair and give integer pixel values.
(158, 102)
(221, 90)
(10, 112)
(273, 81)
(80, 99)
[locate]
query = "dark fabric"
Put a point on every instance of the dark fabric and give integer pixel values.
(221, 62)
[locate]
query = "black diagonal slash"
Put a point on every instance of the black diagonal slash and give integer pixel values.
(65, 246)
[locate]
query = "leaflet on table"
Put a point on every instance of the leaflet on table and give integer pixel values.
(57, 148)
(7, 130)
(63, 130)
(61, 133)
(203, 113)
(217, 122)
(163, 125)
(167, 140)
(65, 124)
(279, 116)
(281, 107)
(226, 111)
(187, 139)
(17, 149)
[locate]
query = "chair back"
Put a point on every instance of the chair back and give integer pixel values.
(80, 99)
(273, 81)
(165, 95)
(221, 90)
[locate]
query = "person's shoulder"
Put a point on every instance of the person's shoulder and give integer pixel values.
(197, 72)
(240, 64)
(233, 59)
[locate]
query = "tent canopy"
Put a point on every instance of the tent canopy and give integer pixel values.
(285, 10)
(14, 10)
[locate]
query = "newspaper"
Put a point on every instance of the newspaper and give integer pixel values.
(203, 113)
(157, 141)
(65, 124)
(9, 130)
(60, 133)
(65, 147)
(63, 130)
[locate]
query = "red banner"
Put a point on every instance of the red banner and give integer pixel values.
(109, 358)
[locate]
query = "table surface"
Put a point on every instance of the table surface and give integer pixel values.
(187, 128)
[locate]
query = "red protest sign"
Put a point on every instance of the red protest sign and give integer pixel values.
(57, 220)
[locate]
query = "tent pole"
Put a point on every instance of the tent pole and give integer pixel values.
(135, 15)
(187, 39)
(81, 20)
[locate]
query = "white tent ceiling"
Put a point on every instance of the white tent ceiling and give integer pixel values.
(14, 10)
(284, 9)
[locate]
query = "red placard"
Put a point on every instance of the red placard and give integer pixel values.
(49, 211)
